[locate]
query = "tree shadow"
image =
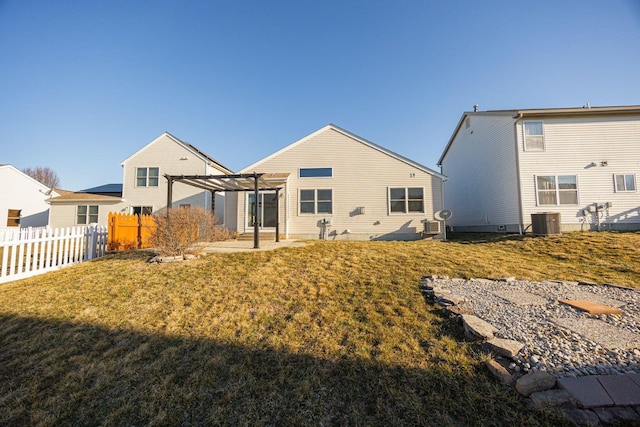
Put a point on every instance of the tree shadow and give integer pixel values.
(65, 373)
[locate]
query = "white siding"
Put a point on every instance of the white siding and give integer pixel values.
(165, 154)
(19, 191)
(481, 188)
(572, 144)
(361, 177)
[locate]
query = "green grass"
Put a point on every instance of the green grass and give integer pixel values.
(334, 333)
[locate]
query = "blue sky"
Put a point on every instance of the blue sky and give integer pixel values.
(84, 84)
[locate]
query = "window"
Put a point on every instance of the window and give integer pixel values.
(87, 214)
(316, 201)
(147, 177)
(557, 189)
(13, 217)
(626, 182)
(316, 172)
(406, 200)
(144, 210)
(533, 136)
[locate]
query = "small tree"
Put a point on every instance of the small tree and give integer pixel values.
(43, 175)
(178, 230)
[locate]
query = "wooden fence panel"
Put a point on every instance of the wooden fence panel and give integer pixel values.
(130, 231)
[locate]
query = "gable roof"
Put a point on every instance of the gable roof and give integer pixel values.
(43, 188)
(200, 154)
(353, 136)
(585, 111)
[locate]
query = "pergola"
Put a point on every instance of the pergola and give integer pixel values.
(255, 182)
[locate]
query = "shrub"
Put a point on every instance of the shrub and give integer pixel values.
(178, 230)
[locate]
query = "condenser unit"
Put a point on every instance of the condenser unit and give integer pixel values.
(431, 227)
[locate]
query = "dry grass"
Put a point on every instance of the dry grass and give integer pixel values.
(334, 333)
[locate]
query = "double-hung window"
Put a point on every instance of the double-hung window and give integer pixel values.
(86, 214)
(557, 189)
(147, 177)
(533, 136)
(625, 182)
(406, 200)
(316, 201)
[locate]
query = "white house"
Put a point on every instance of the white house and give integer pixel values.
(23, 199)
(144, 188)
(340, 186)
(582, 163)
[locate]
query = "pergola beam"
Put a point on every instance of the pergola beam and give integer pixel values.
(244, 182)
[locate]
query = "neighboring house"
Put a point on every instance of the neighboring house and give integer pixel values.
(22, 199)
(340, 186)
(71, 209)
(144, 188)
(583, 163)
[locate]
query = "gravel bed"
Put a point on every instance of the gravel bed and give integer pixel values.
(558, 338)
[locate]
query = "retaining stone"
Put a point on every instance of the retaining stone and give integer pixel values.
(535, 381)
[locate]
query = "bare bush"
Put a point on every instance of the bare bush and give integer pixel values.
(181, 228)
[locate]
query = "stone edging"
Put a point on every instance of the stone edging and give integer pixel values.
(540, 388)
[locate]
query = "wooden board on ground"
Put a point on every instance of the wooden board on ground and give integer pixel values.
(591, 307)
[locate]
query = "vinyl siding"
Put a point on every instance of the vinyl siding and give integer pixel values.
(572, 144)
(361, 178)
(165, 154)
(481, 188)
(64, 213)
(19, 191)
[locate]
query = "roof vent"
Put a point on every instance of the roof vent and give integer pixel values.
(587, 105)
(475, 108)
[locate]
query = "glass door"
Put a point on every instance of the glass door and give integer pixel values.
(265, 211)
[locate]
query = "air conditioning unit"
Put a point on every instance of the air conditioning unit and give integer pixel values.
(431, 227)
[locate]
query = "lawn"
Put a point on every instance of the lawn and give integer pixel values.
(333, 333)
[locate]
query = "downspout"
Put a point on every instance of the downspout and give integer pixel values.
(518, 181)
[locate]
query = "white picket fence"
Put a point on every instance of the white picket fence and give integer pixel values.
(28, 252)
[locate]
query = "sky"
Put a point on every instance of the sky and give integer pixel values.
(85, 84)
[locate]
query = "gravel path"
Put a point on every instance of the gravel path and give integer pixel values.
(558, 338)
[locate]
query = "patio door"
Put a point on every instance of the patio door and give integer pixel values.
(265, 211)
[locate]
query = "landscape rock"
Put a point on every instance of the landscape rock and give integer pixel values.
(617, 415)
(535, 381)
(458, 310)
(504, 347)
(500, 372)
(441, 291)
(452, 299)
(476, 328)
(552, 397)
(581, 417)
